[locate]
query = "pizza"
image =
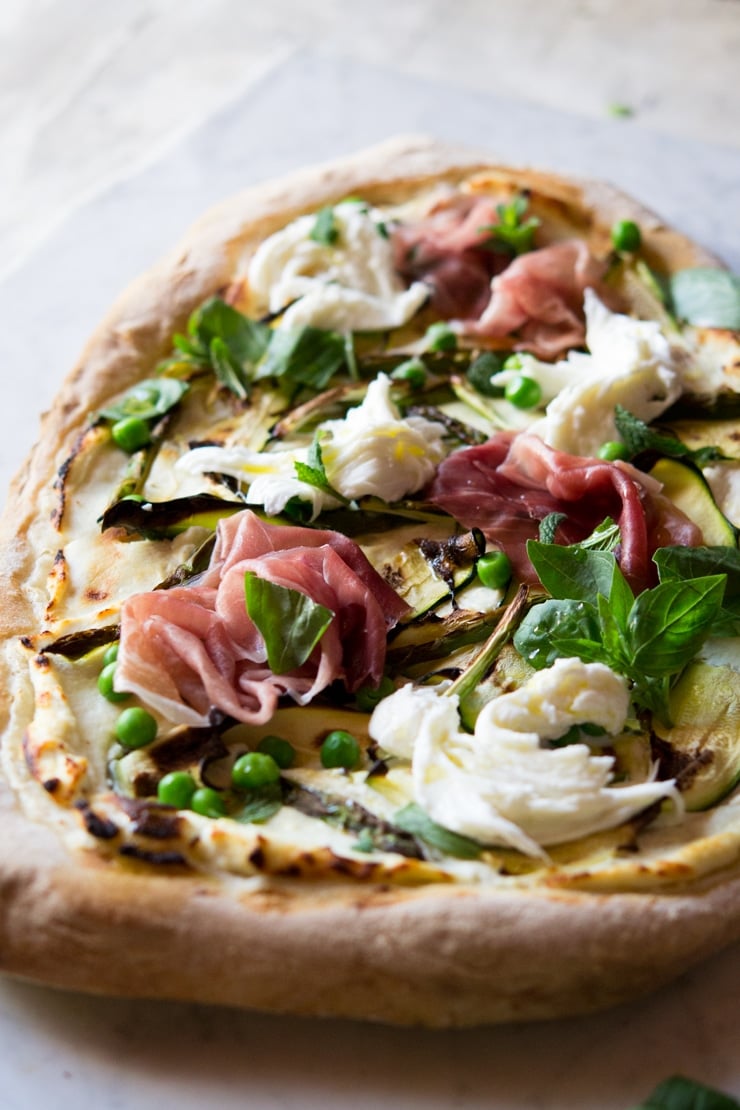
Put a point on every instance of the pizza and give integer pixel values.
(370, 619)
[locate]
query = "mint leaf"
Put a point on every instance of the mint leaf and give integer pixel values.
(512, 233)
(303, 356)
(549, 526)
(246, 340)
(313, 472)
(638, 436)
(261, 804)
(325, 230)
(291, 623)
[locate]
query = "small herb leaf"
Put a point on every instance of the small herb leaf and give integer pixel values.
(668, 624)
(303, 356)
(549, 526)
(325, 230)
(638, 437)
(572, 572)
(414, 820)
(706, 297)
(291, 623)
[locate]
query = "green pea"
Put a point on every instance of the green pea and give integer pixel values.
(440, 337)
(135, 728)
(494, 569)
(340, 749)
(369, 696)
(282, 751)
(111, 654)
(130, 434)
(523, 392)
(105, 684)
(613, 450)
(412, 371)
(176, 789)
(208, 802)
(254, 769)
(626, 236)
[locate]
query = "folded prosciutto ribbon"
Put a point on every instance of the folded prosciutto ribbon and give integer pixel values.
(193, 649)
(536, 298)
(509, 484)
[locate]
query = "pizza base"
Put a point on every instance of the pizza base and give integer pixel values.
(439, 955)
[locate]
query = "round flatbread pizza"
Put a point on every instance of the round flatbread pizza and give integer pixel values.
(371, 623)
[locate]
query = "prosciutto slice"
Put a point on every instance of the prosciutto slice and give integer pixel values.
(446, 251)
(508, 485)
(535, 300)
(540, 297)
(194, 649)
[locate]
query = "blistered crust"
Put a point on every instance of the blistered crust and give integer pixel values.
(436, 955)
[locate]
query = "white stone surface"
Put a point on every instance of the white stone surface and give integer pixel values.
(118, 124)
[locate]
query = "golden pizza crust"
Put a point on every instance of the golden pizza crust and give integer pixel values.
(436, 955)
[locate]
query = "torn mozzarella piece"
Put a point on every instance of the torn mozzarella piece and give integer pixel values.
(630, 363)
(373, 451)
(349, 285)
(500, 786)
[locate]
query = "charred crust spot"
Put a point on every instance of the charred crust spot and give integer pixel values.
(96, 595)
(50, 785)
(152, 820)
(42, 662)
(145, 855)
(27, 642)
(100, 827)
(257, 858)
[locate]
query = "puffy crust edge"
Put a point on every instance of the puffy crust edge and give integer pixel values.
(451, 956)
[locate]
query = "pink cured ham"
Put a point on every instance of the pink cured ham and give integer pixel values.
(508, 485)
(540, 298)
(536, 300)
(445, 250)
(193, 649)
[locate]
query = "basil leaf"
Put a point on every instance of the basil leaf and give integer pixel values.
(620, 598)
(261, 804)
(613, 633)
(291, 623)
(247, 340)
(414, 820)
(668, 624)
(691, 562)
(638, 436)
(679, 1093)
(147, 399)
(227, 369)
(313, 472)
(303, 356)
(572, 572)
(706, 297)
(325, 230)
(538, 638)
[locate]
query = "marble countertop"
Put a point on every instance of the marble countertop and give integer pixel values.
(119, 124)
